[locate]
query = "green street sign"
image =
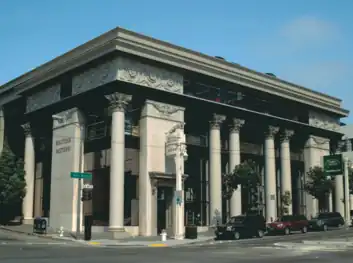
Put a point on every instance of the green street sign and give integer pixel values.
(78, 175)
(333, 164)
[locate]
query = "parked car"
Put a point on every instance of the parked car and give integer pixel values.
(288, 223)
(324, 220)
(237, 227)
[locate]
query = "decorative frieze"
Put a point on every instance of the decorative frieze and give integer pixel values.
(72, 116)
(43, 98)
(141, 74)
(318, 142)
(127, 70)
(323, 121)
(163, 111)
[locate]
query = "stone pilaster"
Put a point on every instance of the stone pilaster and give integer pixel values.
(215, 179)
(270, 174)
(118, 103)
(234, 160)
(286, 176)
(29, 167)
(315, 148)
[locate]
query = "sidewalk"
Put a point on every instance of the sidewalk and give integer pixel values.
(141, 243)
(99, 239)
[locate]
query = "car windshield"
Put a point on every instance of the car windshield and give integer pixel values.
(236, 219)
(321, 215)
(284, 218)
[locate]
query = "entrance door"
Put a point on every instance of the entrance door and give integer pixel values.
(164, 212)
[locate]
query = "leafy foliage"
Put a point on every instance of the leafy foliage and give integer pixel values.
(285, 203)
(243, 174)
(12, 183)
(318, 184)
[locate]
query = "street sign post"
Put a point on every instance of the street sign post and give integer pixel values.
(78, 175)
(333, 164)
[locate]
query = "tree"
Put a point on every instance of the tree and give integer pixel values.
(244, 174)
(318, 184)
(285, 203)
(12, 184)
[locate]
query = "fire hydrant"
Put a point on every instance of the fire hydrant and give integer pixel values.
(164, 235)
(61, 231)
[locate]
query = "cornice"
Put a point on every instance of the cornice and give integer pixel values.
(147, 47)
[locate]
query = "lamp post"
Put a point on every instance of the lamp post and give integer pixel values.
(346, 192)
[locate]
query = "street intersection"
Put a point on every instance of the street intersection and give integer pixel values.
(15, 247)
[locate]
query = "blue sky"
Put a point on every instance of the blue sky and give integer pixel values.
(307, 42)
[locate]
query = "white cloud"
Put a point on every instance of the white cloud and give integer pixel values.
(308, 30)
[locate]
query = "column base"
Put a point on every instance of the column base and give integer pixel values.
(118, 232)
(27, 221)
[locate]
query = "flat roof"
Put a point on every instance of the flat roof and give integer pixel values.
(143, 46)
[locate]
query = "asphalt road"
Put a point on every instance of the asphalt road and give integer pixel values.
(15, 248)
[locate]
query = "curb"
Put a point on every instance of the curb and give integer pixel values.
(25, 233)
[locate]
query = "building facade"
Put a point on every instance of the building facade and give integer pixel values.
(106, 107)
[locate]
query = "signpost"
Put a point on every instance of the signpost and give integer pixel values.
(333, 164)
(78, 175)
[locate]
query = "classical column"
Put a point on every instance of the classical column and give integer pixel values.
(215, 179)
(29, 168)
(270, 174)
(339, 194)
(286, 177)
(118, 103)
(234, 160)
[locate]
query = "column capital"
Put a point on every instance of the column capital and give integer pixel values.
(216, 121)
(271, 131)
(236, 124)
(286, 135)
(27, 129)
(118, 101)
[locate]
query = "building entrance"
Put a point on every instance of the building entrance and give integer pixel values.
(164, 209)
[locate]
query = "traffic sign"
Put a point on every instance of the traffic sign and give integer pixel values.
(78, 175)
(333, 164)
(178, 197)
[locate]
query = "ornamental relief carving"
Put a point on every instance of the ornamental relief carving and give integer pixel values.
(323, 121)
(163, 111)
(145, 75)
(130, 71)
(43, 98)
(95, 77)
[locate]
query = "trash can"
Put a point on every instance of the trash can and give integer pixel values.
(40, 225)
(191, 232)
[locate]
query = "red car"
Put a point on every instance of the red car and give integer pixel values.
(288, 223)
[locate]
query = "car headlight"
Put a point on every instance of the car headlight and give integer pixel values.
(280, 225)
(229, 228)
(319, 222)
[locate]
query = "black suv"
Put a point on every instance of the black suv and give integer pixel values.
(242, 226)
(324, 220)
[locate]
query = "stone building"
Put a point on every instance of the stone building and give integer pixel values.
(105, 108)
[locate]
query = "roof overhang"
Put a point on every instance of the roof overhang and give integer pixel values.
(139, 45)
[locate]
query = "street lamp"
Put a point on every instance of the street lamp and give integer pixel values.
(346, 191)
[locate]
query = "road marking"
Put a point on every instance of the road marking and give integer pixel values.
(158, 245)
(94, 243)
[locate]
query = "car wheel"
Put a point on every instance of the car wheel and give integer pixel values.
(236, 235)
(260, 233)
(286, 231)
(324, 228)
(304, 229)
